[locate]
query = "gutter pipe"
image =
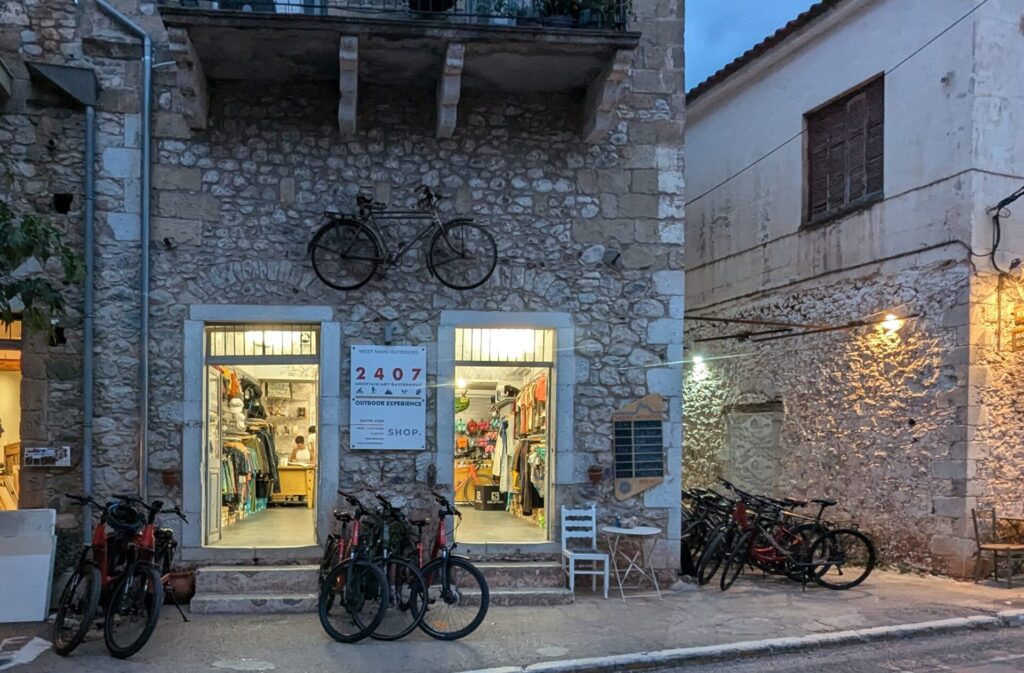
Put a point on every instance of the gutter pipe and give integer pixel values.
(88, 374)
(147, 106)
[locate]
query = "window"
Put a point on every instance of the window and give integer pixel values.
(844, 152)
(638, 449)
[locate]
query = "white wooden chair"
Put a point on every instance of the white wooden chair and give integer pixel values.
(581, 524)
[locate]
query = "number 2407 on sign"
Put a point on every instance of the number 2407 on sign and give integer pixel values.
(397, 374)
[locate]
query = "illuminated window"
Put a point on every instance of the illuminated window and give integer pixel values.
(261, 340)
(501, 345)
(10, 342)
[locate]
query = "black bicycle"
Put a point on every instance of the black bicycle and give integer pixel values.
(347, 251)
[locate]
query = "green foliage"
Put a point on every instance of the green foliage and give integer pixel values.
(26, 237)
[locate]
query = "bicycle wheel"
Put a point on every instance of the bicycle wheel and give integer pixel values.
(345, 254)
(457, 598)
(406, 600)
(462, 255)
(712, 556)
(842, 559)
(353, 600)
(329, 559)
(133, 611)
(735, 560)
(77, 609)
(798, 543)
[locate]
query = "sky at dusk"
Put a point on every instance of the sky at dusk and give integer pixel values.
(717, 31)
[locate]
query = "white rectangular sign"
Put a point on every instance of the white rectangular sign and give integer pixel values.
(388, 397)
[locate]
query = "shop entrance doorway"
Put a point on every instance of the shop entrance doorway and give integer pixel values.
(504, 421)
(261, 459)
(10, 414)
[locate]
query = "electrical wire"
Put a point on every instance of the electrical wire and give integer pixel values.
(803, 131)
(1000, 211)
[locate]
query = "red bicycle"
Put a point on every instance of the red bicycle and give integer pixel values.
(117, 570)
(457, 592)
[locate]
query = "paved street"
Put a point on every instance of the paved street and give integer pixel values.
(977, 652)
(753, 609)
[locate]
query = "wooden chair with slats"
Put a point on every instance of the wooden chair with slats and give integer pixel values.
(581, 525)
(988, 540)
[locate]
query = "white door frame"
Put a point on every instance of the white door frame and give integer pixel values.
(564, 368)
(193, 414)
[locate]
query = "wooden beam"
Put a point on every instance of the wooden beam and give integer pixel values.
(603, 97)
(449, 89)
(348, 85)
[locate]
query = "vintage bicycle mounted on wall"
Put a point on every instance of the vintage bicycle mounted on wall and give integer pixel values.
(348, 250)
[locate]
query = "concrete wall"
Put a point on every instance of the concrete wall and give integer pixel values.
(899, 427)
(241, 198)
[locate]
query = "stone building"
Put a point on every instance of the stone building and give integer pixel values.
(562, 135)
(837, 176)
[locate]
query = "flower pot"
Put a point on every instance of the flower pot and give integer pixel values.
(595, 473)
(182, 585)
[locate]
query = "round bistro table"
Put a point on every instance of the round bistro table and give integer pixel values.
(640, 559)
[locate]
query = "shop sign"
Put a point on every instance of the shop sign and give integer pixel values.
(388, 397)
(58, 456)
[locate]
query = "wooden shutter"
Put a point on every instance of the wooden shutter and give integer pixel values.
(844, 152)
(875, 137)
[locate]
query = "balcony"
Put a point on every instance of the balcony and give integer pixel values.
(514, 46)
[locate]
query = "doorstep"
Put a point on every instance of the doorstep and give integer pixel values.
(253, 555)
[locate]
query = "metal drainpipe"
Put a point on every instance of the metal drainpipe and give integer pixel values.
(88, 375)
(147, 105)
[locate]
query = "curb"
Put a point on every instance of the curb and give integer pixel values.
(664, 658)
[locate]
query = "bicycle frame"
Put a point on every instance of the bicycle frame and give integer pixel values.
(369, 221)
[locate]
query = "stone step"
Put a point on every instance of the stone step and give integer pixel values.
(522, 575)
(502, 598)
(256, 580)
(267, 603)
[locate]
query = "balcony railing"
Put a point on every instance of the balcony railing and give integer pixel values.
(566, 14)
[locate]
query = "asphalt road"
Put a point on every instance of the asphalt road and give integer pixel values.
(999, 651)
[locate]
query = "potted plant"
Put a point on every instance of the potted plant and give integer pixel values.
(561, 13)
(495, 12)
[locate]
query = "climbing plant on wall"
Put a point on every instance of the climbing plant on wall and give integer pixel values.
(35, 263)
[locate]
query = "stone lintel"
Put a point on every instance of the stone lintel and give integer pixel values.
(449, 89)
(603, 96)
(348, 84)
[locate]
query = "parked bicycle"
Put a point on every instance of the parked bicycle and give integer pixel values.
(348, 250)
(765, 533)
(354, 593)
(117, 570)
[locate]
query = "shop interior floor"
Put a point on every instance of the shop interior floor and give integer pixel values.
(496, 527)
(273, 527)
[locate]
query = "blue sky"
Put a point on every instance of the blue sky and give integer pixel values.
(717, 31)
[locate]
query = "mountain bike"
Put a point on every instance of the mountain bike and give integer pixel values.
(117, 571)
(407, 590)
(354, 594)
(457, 592)
(765, 537)
(347, 251)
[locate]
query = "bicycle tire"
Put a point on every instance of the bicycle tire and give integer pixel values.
(443, 244)
(797, 569)
(327, 562)
(88, 579)
(407, 603)
(735, 559)
(368, 580)
(434, 622)
(331, 258)
(126, 601)
(711, 557)
(829, 543)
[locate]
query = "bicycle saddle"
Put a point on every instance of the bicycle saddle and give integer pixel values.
(825, 502)
(364, 202)
(342, 516)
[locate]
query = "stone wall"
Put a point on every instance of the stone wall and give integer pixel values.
(238, 189)
(871, 418)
